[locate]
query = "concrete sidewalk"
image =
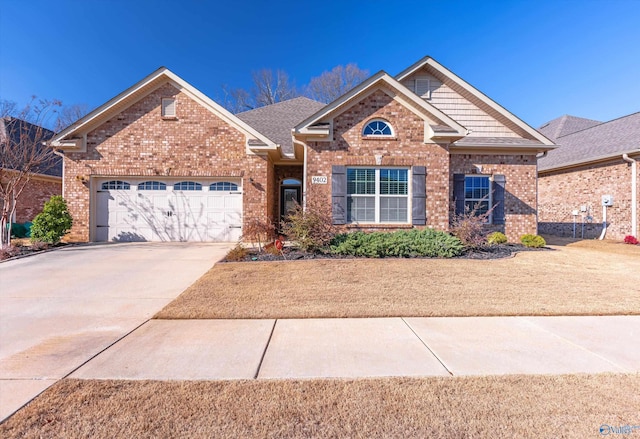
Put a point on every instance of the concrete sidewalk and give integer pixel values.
(376, 347)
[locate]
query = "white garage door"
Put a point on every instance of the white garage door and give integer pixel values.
(161, 210)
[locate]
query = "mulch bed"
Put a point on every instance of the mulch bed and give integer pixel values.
(291, 253)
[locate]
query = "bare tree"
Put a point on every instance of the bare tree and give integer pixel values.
(269, 87)
(23, 153)
(330, 85)
(69, 114)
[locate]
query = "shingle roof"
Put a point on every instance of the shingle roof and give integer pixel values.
(16, 128)
(565, 125)
(277, 120)
(617, 136)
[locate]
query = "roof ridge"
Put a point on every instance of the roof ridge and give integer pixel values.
(599, 124)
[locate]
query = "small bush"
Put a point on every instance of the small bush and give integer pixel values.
(469, 227)
(311, 229)
(534, 241)
(630, 239)
(403, 244)
(497, 238)
(259, 230)
(237, 254)
(53, 222)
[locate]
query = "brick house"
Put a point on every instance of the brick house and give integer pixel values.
(595, 160)
(162, 161)
(44, 183)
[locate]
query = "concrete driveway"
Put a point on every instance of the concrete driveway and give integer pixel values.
(60, 309)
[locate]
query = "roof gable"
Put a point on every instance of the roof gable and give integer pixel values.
(73, 137)
(476, 97)
(440, 125)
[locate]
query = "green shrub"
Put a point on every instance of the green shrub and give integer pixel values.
(497, 238)
(18, 230)
(53, 222)
(403, 244)
(237, 254)
(311, 228)
(535, 241)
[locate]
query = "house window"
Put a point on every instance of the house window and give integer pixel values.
(477, 195)
(169, 107)
(187, 186)
(223, 186)
(152, 186)
(115, 184)
(377, 195)
(378, 128)
(422, 88)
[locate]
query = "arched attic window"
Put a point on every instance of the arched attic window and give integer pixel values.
(378, 128)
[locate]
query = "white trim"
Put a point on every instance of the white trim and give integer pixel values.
(405, 97)
(377, 196)
(68, 138)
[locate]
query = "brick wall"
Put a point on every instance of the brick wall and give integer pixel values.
(562, 192)
(35, 194)
(139, 142)
(349, 148)
(520, 188)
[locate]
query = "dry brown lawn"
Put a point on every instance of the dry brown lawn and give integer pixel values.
(571, 406)
(574, 278)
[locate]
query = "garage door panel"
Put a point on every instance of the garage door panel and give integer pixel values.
(167, 215)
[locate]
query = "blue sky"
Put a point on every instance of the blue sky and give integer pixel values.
(540, 59)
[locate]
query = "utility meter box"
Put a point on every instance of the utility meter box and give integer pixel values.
(607, 200)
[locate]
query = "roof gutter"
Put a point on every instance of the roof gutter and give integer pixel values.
(634, 193)
(590, 161)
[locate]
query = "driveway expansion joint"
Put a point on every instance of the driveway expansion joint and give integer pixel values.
(264, 352)
(427, 346)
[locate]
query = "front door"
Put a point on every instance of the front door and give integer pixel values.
(289, 198)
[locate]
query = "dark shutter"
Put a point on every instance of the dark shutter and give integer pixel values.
(498, 199)
(419, 195)
(458, 193)
(339, 194)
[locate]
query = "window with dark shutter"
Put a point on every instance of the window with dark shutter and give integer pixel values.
(458, 193)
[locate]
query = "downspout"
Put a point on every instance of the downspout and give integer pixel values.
(304, 171)
(634, 193)
(538, 157)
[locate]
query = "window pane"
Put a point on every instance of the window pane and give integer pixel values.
(481, 207)
(116, 184)
(394, 182)
(377, 128)
(361, 209)
(361, 181)
(223, 186)
(187, 186)
(393, 209)
(152, 186)
(476, 187)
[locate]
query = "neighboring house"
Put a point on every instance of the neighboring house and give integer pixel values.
(595, 161)
(162, 161)
(44, 183)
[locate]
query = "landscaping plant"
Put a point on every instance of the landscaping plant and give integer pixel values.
(403, 244)
(53, 222)
(260, 231)
(534, 241)
(469, 227)
(497, 238)
(311, 228)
